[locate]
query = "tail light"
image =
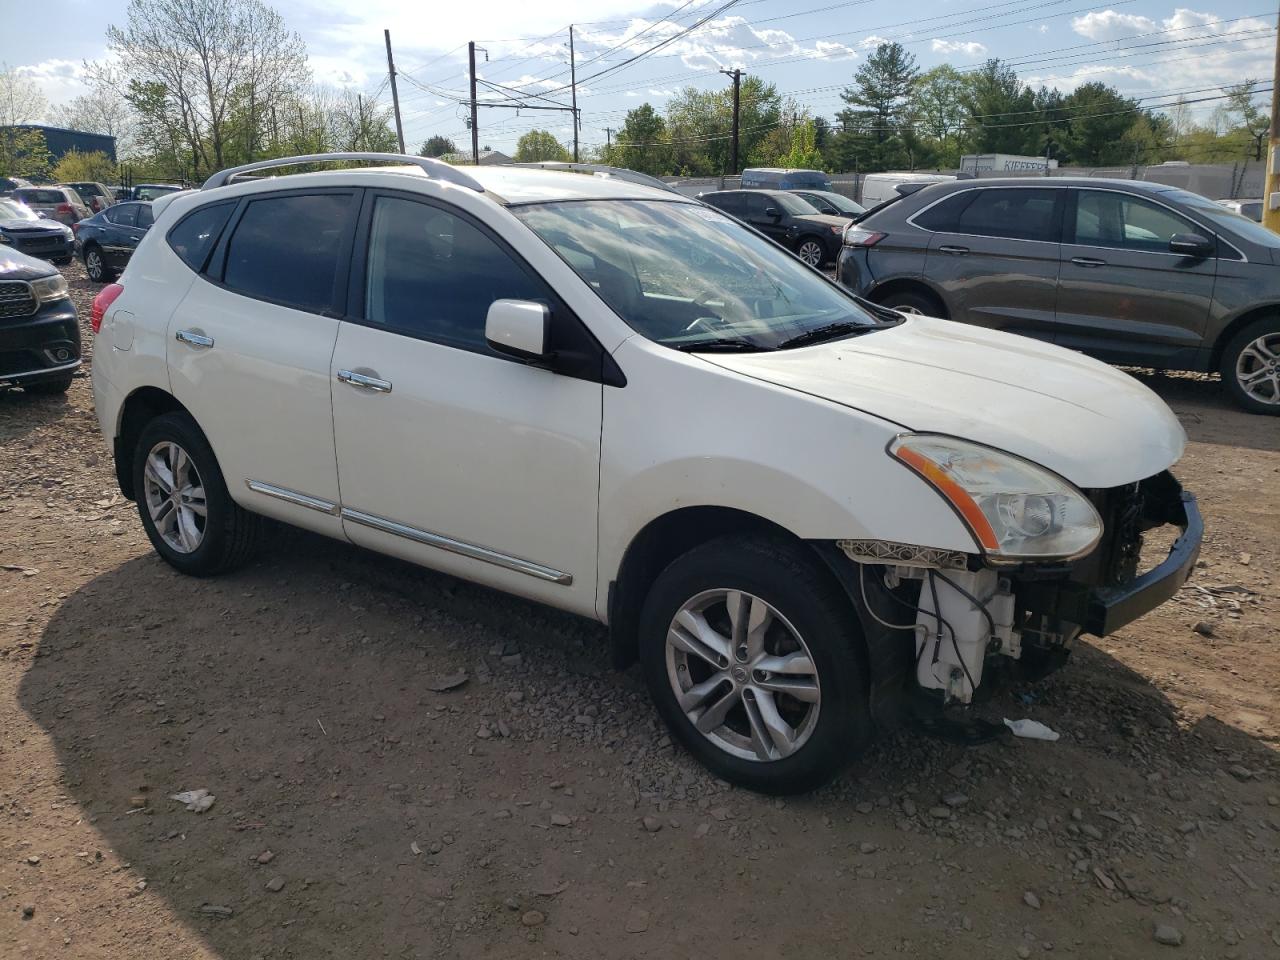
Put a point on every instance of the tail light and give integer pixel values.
(75, 228)
(855, 236)
(102, 302)
(64, 208)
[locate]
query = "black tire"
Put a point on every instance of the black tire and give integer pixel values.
(1268, 328)
(810, 240)
(230, 534)
(49, 388)
(913, 301)
(95, 265)
(796, 585)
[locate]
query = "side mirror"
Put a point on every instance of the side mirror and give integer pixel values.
(519, 329)
(1191, 245)
(772, 213)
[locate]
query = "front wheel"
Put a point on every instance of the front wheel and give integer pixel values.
(913, 302)
(183, 501)
(750, 651)
(811, 252)
(1251, 366)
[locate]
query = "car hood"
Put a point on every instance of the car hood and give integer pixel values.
(1090, 423)
(19, 225)
(19, 266)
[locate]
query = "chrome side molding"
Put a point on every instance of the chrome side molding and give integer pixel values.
(470, 550)
(292, 496)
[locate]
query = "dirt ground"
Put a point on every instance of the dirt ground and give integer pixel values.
(538, 810)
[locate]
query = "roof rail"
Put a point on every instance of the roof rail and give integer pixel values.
(436, 169)
(601, 170)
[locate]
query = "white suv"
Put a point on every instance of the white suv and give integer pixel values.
(807, 516)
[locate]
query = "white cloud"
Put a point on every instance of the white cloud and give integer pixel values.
(58, 80)
(1109, 25)
(830, 50)
(970, 48)
(872, 41)
(661, 93)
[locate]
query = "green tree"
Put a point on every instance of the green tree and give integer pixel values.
(1252, 118)
(1000, 109)
(539, 145)
(74, 166)
(938, 114)
(700, 123)
(804, 153)
(437, 146)
(877, 121)
(1097, 117)
(643, 143)
(23, 153)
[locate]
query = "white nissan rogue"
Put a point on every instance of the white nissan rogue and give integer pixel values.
(807, 516)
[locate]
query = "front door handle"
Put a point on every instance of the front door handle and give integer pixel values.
(954, 250)
(193, 338)
(1088, 262)
(363, 382)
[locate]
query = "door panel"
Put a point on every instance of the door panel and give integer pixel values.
(772, 227)
(461, 460)
(1122, 296)
(256, 375)
(996, 258)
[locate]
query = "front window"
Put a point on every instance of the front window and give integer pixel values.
(691, 278)
(12, 210)
(792, 204)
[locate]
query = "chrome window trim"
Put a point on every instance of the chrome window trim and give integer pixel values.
(292, 496)
(62, 368)
(469, 550)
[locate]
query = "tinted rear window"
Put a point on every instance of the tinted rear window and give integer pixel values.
(285, 249)
(41, 196)
(734, 204)
(196, 233)
(1018, 213)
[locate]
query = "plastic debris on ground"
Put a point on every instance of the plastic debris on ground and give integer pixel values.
(197, 801)
(1030, 729)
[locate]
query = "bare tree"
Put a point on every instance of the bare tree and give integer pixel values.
(202, 73)
(104, 109)
(20, 99)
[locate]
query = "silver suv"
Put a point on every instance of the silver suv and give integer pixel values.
(1129, 272)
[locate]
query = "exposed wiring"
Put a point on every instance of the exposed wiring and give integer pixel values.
(942, 622)
(981, 605)
(955, 645)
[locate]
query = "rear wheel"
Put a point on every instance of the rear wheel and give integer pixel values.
(1251, 366)
(811, 251)
(183, 501)
(750, 651)
(913, 302)
(95, 266)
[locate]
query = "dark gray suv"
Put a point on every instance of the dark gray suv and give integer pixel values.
(1129, 272)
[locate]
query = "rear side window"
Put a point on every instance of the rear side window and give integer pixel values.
(733, 204)
(124, 214)
(285, 249)
(197, 232)
(944, 216)
(145, 217)
(1017, 214)
(42, 196)
(432, 274)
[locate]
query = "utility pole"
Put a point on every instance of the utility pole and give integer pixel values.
(1271, 189)
(395, 95)
(573, 87)
(737, 84)
(475, 133)
(608, 138)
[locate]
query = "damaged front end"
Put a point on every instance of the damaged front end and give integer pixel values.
(971, 615)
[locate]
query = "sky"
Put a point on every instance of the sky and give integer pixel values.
(809, 48)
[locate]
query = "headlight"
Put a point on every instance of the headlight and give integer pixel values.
(48, 289)
(1014, 509)
(4, 239)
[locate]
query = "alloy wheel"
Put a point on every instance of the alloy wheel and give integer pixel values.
(742, 675)
(175, 497)
(811, 253)
(1258, 369)
(93, 265)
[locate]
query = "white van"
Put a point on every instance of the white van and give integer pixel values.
(879, 187)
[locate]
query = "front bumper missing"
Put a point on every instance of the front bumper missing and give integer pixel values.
(1110, 608)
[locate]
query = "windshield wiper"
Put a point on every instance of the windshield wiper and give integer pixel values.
(723, 345)
(829, 331)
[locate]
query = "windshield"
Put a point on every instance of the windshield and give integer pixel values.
(1229, 220)
(11, 210)
(688, 276)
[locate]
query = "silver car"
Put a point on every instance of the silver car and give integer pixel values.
(57, 203)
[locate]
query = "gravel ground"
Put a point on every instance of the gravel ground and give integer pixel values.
(538, 809)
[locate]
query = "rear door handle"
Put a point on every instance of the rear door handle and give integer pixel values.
(193, 338)
(364, 383)
(1088, 262)
(952, 249)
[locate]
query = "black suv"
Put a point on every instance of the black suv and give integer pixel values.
(39, 332)
(1130, 272)
(784, 217)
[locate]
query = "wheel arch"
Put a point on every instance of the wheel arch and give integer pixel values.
(1235, 326)
(139, 408)
(912, 285)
